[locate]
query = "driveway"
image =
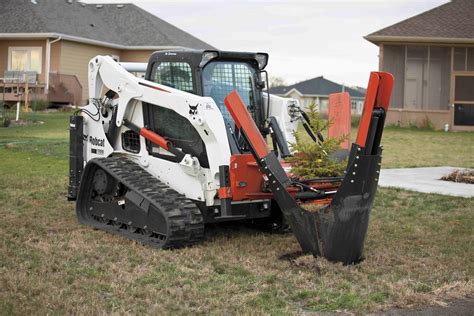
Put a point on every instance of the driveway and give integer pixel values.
(425, 180)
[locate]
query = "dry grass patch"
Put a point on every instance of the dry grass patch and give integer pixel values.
(465, 176)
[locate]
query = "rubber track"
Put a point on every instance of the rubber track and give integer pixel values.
(185, 221)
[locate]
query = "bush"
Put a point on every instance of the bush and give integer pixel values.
(39, 105)
(67, 108)
(6, 122)
(313, 160)
(424, 124)
(355, 119)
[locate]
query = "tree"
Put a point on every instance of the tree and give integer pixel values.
(276, 82)
(312, 159)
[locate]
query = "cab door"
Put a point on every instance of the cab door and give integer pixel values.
(175, 71)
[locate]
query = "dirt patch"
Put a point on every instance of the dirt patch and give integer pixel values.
(292, 256)
(312, 207)
(12, 123)
(464, 176)
(25, 123)
(317, 264)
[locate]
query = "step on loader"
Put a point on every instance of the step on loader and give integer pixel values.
(156, 159)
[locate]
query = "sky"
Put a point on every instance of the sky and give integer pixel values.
(305, 39)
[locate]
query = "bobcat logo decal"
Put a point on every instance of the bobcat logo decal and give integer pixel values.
(192, 109)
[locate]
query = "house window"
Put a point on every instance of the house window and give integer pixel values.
(24, 59)
(324, 105)
(463, 59)
(354, 106)
(470, 59)
(459, 59)
(394, 62)
(422, 75)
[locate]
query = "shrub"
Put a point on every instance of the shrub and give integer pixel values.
(39, 105)
(6, 122)
(355, 119)
(311, 159)
(426, 124)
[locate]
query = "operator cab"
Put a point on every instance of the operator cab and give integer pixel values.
(206, 73)
(213, 74)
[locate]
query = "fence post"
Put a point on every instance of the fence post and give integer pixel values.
(17, 111)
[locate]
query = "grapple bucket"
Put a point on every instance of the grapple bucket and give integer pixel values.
(336, 231)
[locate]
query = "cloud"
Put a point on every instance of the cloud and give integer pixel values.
(305, 39)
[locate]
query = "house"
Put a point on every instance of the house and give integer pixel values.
(317, 90)
(431, 56)
(45, 45)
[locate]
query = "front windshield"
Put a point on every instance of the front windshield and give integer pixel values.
(221, 77)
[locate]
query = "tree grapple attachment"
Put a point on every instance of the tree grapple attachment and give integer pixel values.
(337, 230)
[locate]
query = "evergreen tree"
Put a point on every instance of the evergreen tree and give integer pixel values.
(312, 159)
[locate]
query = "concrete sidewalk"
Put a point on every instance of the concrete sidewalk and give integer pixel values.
(425, 180)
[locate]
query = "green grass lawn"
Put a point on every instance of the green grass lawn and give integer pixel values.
(410, 147)
(419, 248)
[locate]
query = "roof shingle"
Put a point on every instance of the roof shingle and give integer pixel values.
(453, 20)
(125, 25)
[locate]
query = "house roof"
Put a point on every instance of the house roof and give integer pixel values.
(316, 86)
(452, 22)
(120, 25)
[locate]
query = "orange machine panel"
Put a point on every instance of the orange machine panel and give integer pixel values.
(243, 120)
(246, 179)
(339, 114)
(378, 94)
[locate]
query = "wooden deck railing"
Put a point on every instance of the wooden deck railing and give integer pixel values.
(64, 89)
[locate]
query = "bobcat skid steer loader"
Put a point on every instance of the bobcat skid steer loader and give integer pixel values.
(156, 159)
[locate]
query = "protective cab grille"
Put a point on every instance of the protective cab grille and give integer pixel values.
(131, 142)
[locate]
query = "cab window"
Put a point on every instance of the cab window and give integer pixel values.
(221, 77)
(176, 75)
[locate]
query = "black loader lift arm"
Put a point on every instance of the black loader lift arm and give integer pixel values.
(337, 231)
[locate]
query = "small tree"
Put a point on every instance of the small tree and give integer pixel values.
(312, 159)
(276, 82)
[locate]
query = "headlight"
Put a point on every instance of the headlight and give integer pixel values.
(262, 59)
(207, 56)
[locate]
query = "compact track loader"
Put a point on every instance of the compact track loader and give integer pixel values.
(156, 159)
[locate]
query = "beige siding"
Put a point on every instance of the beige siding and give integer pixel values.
(138, 56)
(294, 95)
(3, 57)
(54, 59)
(74, 58)
(4, 44)
(407, 117)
